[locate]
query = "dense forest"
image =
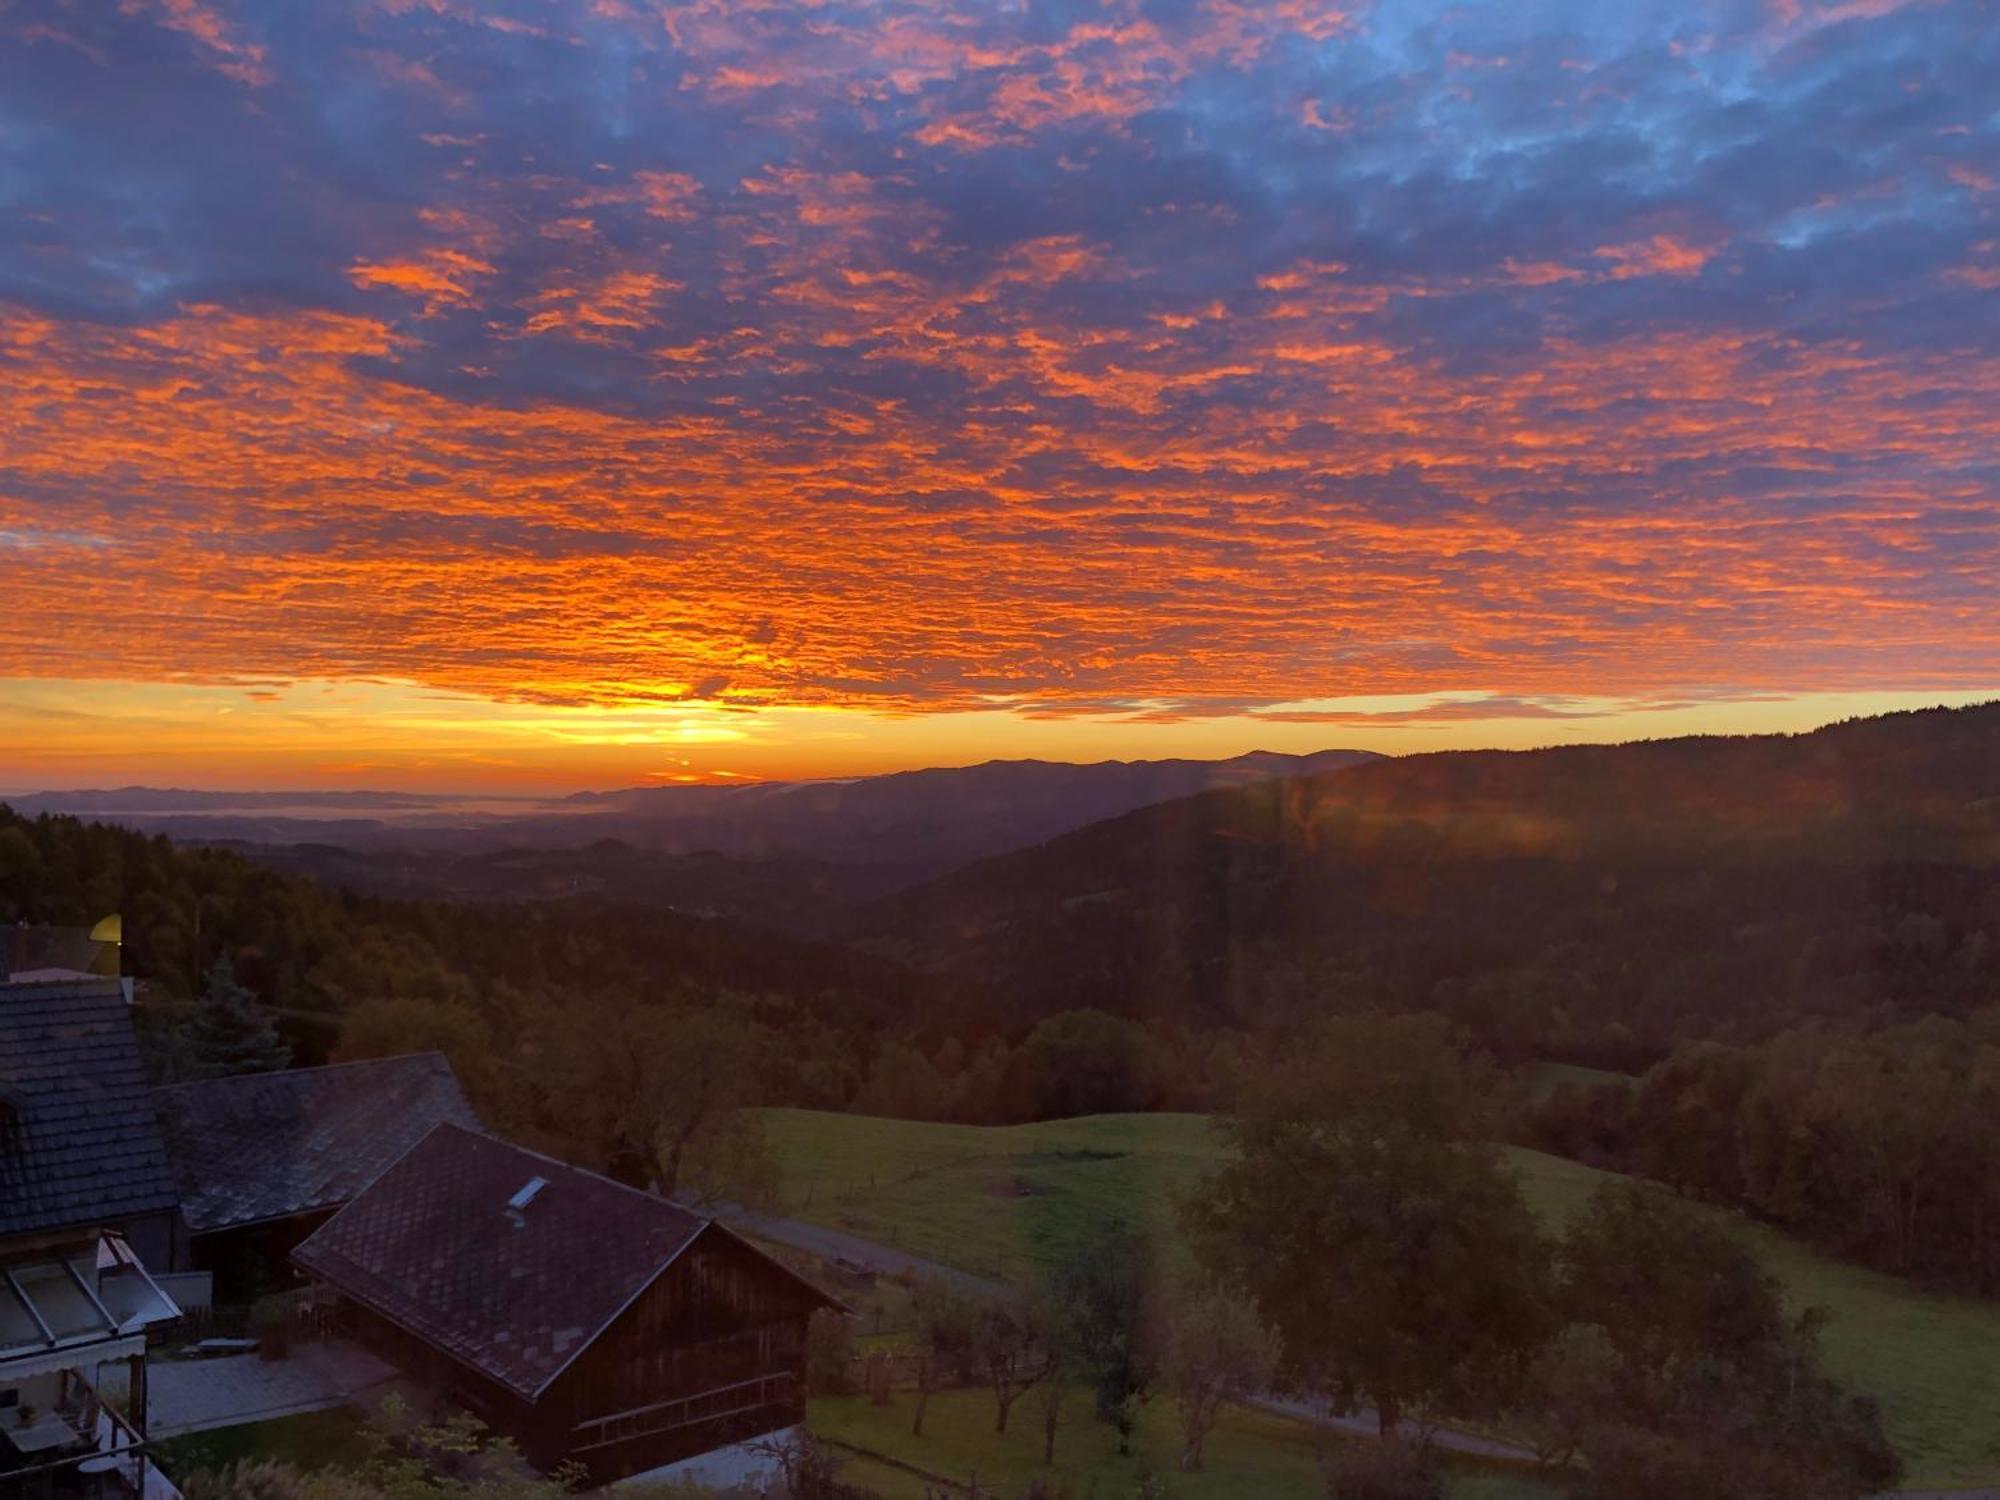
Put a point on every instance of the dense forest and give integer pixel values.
(1598, 903)
(306, 948)
(1879, 1145)
(350, 975)
(539, 1004)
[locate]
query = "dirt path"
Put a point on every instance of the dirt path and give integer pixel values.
(837, 1245)
(1365, 1423)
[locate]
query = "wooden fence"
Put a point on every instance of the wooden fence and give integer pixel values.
(304, 1315)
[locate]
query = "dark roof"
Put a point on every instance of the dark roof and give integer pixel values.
(433, 1246)
(262, 1146)
(78, 1142)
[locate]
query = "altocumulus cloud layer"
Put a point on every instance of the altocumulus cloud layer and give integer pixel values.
(1204, 353)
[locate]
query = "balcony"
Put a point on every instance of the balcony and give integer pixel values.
(66, 1312)
(82, 1448)
(774, 1395)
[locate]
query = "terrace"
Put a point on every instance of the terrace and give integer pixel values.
(67, 1311)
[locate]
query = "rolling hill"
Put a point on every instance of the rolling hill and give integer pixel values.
(1591, 902)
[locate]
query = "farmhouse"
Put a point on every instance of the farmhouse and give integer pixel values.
(586, 1320)
(261, 1160)
(81, 1169)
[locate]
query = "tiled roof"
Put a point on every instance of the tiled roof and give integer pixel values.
(78, 1142)
(433, 1246)
(264, 1146)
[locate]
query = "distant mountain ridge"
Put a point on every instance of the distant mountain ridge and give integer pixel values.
(777, 852)
(941, 815)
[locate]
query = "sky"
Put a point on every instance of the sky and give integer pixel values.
(542, 395)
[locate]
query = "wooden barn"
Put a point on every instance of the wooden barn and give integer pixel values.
(586, 1320)
(260, 1160)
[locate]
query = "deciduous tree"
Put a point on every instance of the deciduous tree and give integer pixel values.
(1094, 1306)
(1395, 1258)
(1210, 1350)
(944, 1323)
(642, 1088)
(1011, 1343)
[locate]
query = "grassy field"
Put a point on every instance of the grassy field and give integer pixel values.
(1248, 1455)
(316, 1440)
(999, 1201)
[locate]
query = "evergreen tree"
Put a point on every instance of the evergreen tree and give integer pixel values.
(229, 1033)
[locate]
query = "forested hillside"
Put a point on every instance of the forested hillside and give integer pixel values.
(302, 946)
(349, 973)
(1596, 903)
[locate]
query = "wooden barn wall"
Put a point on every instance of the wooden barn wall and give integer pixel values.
(461, 1387)
(722, 1313)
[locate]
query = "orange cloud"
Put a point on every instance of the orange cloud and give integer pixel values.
(302, 518)
(246, 62)
(438, 276)
(911, 357)
(1658, 255)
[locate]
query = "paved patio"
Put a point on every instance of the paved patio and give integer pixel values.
(193, 1395)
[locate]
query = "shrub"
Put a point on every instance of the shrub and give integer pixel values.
(829, 1354)
(1389, 1470)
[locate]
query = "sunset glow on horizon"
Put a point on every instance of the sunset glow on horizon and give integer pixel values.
(436, 394)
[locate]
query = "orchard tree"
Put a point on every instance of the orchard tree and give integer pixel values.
(1094, 1303)
(944, 1325)
(1209, 1350)
(1049, 1400)
(1012, 1346)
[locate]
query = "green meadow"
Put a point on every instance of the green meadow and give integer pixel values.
(1249, 1456)
(999, 1201)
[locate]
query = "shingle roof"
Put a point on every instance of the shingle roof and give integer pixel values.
(432, 1246)
(81, 1146)
(264, 1146)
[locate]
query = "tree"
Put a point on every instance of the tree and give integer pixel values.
(1683, 1118)
(1709, 1390)
(1084, 1062)
(1093, 1309)
(228, 1033)
(1396, 1261)
(903, 1084)
(810, 1468)
(1668, 1286)
(1210, 1350)
(829, 1353)
(1049, 1399)
(1558, 1401)
(1011, 1344)
(390, 1027)
(644, 1089)
(20, 870)
(944, 1327)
